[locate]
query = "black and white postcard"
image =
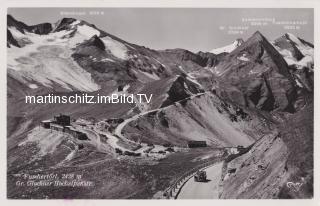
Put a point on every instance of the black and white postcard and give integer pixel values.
(160, 103)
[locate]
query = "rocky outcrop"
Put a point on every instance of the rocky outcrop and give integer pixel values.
(184, 55)
(20, 26)
(167, 91)
(284, 42)
(259, 73)
(11, 40)
(180, 89)
(40, 29)
(279, 165)
(297, 132)
(94, 41)
(209, 59)
(260, 173)
(64, 24)
(258, 94)
(306, 42)
(203, 59)
(259, 50)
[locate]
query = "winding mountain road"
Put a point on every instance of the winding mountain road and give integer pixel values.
(113, 138)
(203, 190)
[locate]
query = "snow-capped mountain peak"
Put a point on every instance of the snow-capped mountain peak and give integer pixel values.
(304, 46)
(65, 23)
(294, 50)
(43, 57)
(229, 48)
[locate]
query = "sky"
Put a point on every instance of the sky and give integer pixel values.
(195, 29)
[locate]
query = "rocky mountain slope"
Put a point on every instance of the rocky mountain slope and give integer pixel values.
(279, 165)
(296, 51)
(298, 54)
(259, 173)
(260, 77)
(205, 117)
(97, 57)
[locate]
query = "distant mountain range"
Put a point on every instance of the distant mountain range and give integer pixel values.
(95, 50)
(295, 51)
(101, 56)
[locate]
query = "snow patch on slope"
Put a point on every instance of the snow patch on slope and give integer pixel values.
(88, 31)
(73, 24)
(33, 86)
(305, 49)
(46, 60)
(116, 48)
(243, 58)
(47, 66)
(229, 48)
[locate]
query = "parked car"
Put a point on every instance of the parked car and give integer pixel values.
(200, 176)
